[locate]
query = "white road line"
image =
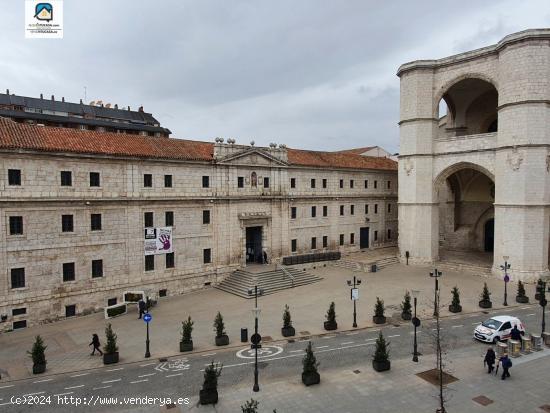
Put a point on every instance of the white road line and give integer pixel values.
(110, 381)
(5, 387)
(34, 394)
(352, 334)
(419, 332)
(296, 351)
(74, 387)
(174, 375)
(63, 394)
(327, 337)
(525, 308)
(321, 347)
(147, 375)
(476, 323)
(120, 368)
(138, 381)
(347, 342)
(103, 387)
(3, 404)
(529, 315)
(79, 375)
(395, 335)
(458, 326)
(370, 339)
(473, 315)
(375, 330)
(209, 354)
(42, 381)
(145, 365)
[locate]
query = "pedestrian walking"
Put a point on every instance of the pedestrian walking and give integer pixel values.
(265, 257)
(95, 343)
(142, 307)
(489, 360)
(506, 365)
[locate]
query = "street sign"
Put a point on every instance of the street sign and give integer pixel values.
(256, 338)
(355, 294)
(147, 317)
(506, 278)
(416, 321)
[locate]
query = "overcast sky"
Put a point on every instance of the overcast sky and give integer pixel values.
(311, 74)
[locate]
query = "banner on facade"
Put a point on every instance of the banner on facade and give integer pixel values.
(158, 240)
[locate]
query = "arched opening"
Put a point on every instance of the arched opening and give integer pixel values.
(468, 107)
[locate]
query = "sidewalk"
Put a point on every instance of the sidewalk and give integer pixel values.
(68, 340)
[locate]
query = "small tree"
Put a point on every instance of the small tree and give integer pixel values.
(287, 321)
(521, 289)
(250, 406)
(538, 289)
(211, 374)
(331, 313)
(379, 307)
(406, 305)
(309, 362)
(186, 330)
(381, 354)
(456, 297)
(485, 295)
(110, 346)
(219, 326)
(37, 352)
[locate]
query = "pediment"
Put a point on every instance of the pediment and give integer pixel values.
(252, 157)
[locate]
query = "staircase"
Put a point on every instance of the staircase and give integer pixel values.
(349, 265)
(270, 281)
(385, 262)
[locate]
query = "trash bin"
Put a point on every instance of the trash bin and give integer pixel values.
(501, 348)
(373, 268)
(525, 344)
(513, 348)
(244, 335)
(536, 342)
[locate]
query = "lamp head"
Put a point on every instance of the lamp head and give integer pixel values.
(358, 282)
(349, 283)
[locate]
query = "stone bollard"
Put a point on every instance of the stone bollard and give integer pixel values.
(513, 348)
(546, 338)
(525, 344)
(501, 349)
(536, 342)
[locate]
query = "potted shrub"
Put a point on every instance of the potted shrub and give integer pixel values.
(209, 392)
(251, 406)
(310, 375)
(538, 289)
(219, 327)
(287, 330)
(186, 343)
(521, 297)
(381, 358)
(110, 349)
(38, 356)
(485, 301)
(379, 317)
(455, 306)
(331, 324)
(406, 307)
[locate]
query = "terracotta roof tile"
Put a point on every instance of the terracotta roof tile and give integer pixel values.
(357, 151)
(339, 160)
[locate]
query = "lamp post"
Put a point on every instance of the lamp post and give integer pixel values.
(505, 268)
(354, 295)
(256, 338)
(147, 318)
(416, 323)
(436, 274)
(543, 302)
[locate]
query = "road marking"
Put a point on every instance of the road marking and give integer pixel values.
(347, 342)
(209, 354)
(472, 315)
(174, 375)
(3, 404)
(5, 387)
(34, 394)
(42, 381)
(110, 381)
(63, 394)
(395, 335)
(476, 323)
(529, 315)
(327, 337)
(418, 332)
(103, 387)
(147, 375)
(74, 387)
(525, 308)
(458, 326)
(296, 351)
(138, 381)
(370, 339)
(120, 368)
(352, 334)
(375, 330)
(321, 347)
(145, 365)
(81, 374)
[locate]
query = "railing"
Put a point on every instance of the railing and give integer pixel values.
(287, 273)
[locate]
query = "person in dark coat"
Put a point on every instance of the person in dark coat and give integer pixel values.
(489, 360)
(515, 334)
(265, 257)
(142, 308)
(95, 343)
(506, 364)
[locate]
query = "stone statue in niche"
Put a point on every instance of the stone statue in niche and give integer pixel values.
(515, 159)
(254, 180)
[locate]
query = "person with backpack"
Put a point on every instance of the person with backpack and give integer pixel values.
(95, 343)
(506, 365)
(489, 360)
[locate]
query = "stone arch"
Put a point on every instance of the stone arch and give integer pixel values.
(451, 169)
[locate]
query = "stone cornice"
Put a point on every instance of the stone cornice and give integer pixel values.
(525, 102)
(500, 148)
(417, 120)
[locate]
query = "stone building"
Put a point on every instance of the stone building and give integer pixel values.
(477, 178)
(78, 206)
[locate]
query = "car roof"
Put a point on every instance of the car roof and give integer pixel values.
(504, 318)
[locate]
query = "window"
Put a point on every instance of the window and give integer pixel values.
(149, 262)
(506, 326)
(341, 183)
(17, 277)
(67, 223)
(292, 212)
(389, 184)
(352, 238)
(293, 245)
(111, 301)
(147, 180)
(352, 209)
(266, 182)
(16, 225)
(313, 243)
(95, 222)
(366, 209)
(170, 260)
(313, 211)
(95, 179)
(163, 292)
(207, 255)
(68, 271)
(206, 217)
(14, 177)
(70, 310)
(351, 182)
(19, 324)
(97, 268)
(19, 311)
(341, 209)
(325, 241)
(66, 178)
(366, 183)
(206, 182)
(325, 210)
(148, 219)
(168, 181)
(389, 233)
(240, 182)
(375, 184)
(376, 208)
(341, 239)
(169, 218)
(313, 183)
(293, 182)
(376, 235)
(324, 183)
(389, 207)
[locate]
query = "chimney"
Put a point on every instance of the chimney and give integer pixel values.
(63, 99)
(41, 96)
(140, 109)
(53, 97)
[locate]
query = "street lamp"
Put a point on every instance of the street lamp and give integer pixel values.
(256, 338)
(147, 318)
(436, 274)
(543, 302)
(416, 323)
(354, 295)
(505, 268)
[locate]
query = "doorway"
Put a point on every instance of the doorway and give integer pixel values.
(489, 235)
(254, 245)
(364, 237)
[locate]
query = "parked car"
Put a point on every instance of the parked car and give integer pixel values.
(497, 328)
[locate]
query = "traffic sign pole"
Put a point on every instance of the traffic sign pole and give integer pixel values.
(147, 318)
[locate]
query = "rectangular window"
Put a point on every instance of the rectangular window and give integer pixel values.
(352, 209)
(147, 180)
(351, 183)
(352, 238)
(66, 178)
(16, 225)
(341, 183)
(206, 182)
(376, 208)
(341, 209)
(293, 245)
(149, 262)
(19, 311)
(19, 324)
(206, 217)
(266, 182)
(366, 183)
(325, 241)
(313, 183)
(95, 179)
(67, 223)
(313, 243)
(324, 183)
(207, 255)
(112, 301)
(341, 239)
(95, 222)
(68, 271)
(168, 181)
(376, 235)
(162, 292)
(240, 182)
(313, 211)
(169, 219)
(366, 209)
(325, 210)
(14, 177)
(17, 277)
(70, 310)
(170, 260)
(389, 233)
(293, 182)
(389, 207)
(292, 212)
(148, 219)
(375, 184)
(97, 268)
(389, 184)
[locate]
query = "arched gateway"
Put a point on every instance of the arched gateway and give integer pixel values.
(474, 166)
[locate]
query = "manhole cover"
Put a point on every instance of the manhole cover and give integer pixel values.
(305, 333)
(432, 376)
(546, 408)
(357, 371)
(484, 401)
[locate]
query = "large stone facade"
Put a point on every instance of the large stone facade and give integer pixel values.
(247, 187)
(486, 163)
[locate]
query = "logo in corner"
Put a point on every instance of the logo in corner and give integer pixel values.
(43, 11)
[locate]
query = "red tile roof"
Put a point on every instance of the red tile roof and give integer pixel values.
(357, 151)
(19, 136)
